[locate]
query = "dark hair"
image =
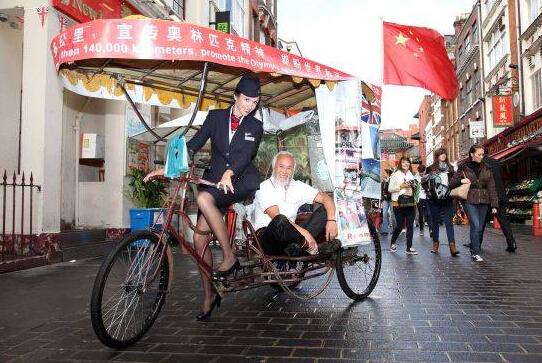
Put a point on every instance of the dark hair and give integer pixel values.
(474, 148)
(401, 163)
(436, 155)
(421, 168)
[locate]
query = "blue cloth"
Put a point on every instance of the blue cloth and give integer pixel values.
(177, 157)
(477, 218)
(442, 210)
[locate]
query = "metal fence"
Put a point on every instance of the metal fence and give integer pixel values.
(17, 198)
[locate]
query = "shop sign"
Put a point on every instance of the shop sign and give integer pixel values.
(222, 22)
(477, 129)
(87, 10)
(502, 111)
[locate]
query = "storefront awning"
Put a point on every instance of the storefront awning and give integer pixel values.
(513, 151)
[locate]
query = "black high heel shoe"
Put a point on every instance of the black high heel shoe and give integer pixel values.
(217, 274)
(512, 248)
(206, 315)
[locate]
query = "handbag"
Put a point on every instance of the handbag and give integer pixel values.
(462, 191)
(405, 201)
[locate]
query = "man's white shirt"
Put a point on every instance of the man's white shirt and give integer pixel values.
(288, 199)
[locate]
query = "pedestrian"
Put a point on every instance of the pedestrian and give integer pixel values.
(386, 204)
(482, 195)
(403, 188)
(504, 221)
(422, 206)
(441, 207)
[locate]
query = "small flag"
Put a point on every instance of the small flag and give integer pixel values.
(42, 13)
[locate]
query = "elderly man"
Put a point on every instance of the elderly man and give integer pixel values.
(276, 204)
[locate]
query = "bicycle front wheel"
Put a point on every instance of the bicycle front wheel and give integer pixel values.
(358, 267)
(130, 289)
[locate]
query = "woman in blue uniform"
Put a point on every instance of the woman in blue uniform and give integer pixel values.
(235, 136)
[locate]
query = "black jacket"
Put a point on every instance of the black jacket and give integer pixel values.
(237, 155)
(496, 169)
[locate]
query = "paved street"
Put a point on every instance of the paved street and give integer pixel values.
(425, 308)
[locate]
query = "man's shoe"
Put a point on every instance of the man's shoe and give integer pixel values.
(327, 248)
(477, 258)
(511, 248)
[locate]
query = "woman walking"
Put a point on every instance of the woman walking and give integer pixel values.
(423, 208)
(482, 195)
(402, 188)
(441, 208)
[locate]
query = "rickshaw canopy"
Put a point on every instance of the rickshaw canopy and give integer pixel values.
(161, 63)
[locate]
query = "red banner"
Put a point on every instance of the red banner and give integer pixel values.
(88, 10)
(166, 40)
(502, 111)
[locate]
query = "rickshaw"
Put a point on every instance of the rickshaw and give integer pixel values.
(143, 59)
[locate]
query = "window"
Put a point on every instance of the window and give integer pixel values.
(497, 46)
(489, 4)
(237, 9)
(467, 44)
(178, 7)
(533, 7)
(474, 33)
(536, 82)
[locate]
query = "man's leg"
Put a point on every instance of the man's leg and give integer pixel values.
(316, 223)
(506, 228)
(278, 235)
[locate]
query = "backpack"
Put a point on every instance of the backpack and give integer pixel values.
(435, 189)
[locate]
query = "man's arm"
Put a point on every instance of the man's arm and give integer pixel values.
(329, 205)
(274, 211)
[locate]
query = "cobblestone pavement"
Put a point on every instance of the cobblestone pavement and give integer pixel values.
(425, 308)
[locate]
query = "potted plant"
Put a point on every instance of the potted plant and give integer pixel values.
(147, 197)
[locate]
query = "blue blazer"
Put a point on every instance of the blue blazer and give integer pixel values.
(237, 155)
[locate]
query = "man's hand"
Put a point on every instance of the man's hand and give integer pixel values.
(331, 229)
(313, 246)
(153, 174)
(225, 182)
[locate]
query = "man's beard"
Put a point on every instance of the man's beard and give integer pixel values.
(279, 182)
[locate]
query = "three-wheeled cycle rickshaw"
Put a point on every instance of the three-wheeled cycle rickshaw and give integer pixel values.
(179, 64)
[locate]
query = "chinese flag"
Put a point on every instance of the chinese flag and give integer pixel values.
(416, 56)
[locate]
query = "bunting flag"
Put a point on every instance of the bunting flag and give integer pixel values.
(415, 56)
(63, 22)
(42, 13)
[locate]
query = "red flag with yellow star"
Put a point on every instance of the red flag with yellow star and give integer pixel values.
(415, 56)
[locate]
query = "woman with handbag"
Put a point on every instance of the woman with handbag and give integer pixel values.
(437, 181)
(475, 177)
(403, 187)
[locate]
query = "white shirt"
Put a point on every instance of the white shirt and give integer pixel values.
(422, 194)
(396, 179)
(288, 200)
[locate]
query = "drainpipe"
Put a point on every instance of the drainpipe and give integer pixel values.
(77, 129)
(482, 67)
(520, 56)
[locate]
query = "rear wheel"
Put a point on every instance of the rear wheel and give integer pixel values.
(358, 267)
(126, 299)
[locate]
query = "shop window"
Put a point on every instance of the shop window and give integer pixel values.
(536, 81)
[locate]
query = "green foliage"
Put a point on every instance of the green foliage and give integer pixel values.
(145, 195)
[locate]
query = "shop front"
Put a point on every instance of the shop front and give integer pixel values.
(519, 149)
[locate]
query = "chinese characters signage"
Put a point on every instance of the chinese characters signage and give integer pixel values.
(166, 40)
(502, 111)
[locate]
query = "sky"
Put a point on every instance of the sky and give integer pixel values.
(347, 35)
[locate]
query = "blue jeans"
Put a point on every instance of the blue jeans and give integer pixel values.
(477, 214)
(442, 210)
(386, 216)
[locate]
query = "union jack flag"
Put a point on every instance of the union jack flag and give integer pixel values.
(370, 113)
